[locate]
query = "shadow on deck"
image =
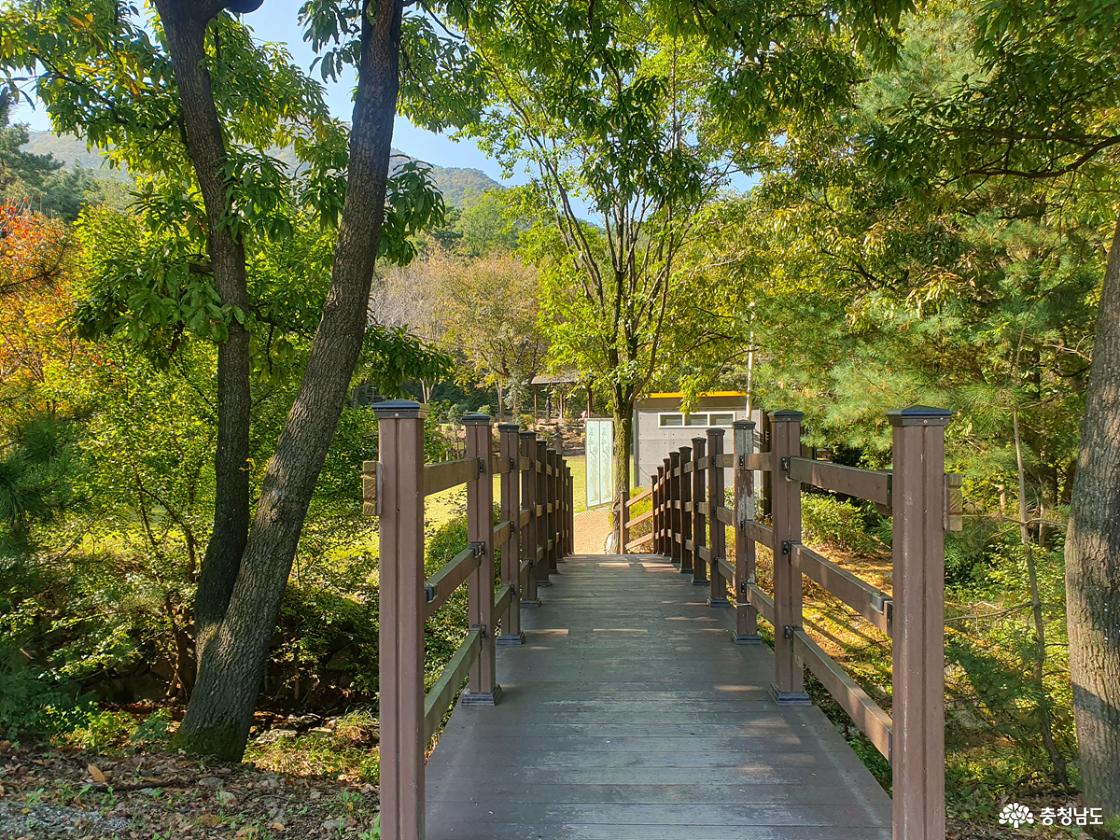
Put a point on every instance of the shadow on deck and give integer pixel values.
(629, 714)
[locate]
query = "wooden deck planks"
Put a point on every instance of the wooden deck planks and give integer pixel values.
(630, 715)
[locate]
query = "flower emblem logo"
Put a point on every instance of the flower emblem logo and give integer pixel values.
(1015, 815)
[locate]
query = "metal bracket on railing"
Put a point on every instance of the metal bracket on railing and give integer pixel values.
(429, 593)
(513, 465)
(783, 464)
(482, 629)
(479, 548)
(886, 607)
(788, 630)
(787, 548)
(742, 462)
(481, 462)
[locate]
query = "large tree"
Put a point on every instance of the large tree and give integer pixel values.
(1038, 114)
(189, 97)
(626, 109)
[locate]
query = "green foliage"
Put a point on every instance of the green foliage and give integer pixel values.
(848, 525)
(35, 474)
(23, 695)
(445, 631)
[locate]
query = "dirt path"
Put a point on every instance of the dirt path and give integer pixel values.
(592, 527)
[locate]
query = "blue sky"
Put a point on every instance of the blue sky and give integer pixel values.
(277, 21)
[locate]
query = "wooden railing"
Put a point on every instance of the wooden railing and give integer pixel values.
(689, 522)
(534, 532)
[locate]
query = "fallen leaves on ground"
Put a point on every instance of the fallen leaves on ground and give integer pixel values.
(46, 792)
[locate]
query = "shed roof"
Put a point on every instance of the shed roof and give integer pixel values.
(564, 377)
(662, 395)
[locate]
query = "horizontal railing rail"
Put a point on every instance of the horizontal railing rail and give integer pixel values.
(690, 517)
(448, 474)
(533, 533)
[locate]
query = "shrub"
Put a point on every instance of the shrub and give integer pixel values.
(24, 694)
(826, 519)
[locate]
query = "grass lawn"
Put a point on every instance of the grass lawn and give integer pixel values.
(441, 508)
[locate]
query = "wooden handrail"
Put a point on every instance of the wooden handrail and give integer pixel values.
(638, 497)
(924, 503)
(443, 692)
(761, 602)
(864, 712)
(645, 538)
(502, 601)
(871, 485)
(535, 531)
(452, 574)
(448, 474)
(640, 518)
(726, 569)
(758, 532)
(870, 602)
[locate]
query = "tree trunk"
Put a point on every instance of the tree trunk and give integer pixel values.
(231, 665)
(623, 445)
(1092, 555)
(185, 25)
(1038, 661)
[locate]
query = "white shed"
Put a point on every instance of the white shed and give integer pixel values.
(660, 426)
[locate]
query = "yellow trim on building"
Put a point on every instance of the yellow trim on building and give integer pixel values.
(663, 395)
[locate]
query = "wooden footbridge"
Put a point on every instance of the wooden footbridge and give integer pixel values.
(629, 696)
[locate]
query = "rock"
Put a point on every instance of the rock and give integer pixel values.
(225, 798)
(274, 735)
(303, 721)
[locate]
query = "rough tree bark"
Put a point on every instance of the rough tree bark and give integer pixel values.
(231, 663)
(623, 410)
(1092, 555)
(185, 26)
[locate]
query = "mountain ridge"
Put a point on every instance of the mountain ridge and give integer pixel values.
(456, 183)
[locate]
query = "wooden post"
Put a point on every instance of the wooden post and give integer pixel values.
(767, 477)
(482, 686)
(918, 551)
(789, 677)
(698, 495)
(511, 548)
(746, 616)
(623, 529)
(562, 515)
(526, 447)
(400, 430)
(717, 543)
(540, 452)
(661, 545)
(658, 546)
(674, 512)
(550, 499)
(557, 510)
(569, 498)
(684, 493)
(571, 513)
(666, 507)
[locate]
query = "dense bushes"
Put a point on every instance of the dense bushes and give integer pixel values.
(856, 527)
